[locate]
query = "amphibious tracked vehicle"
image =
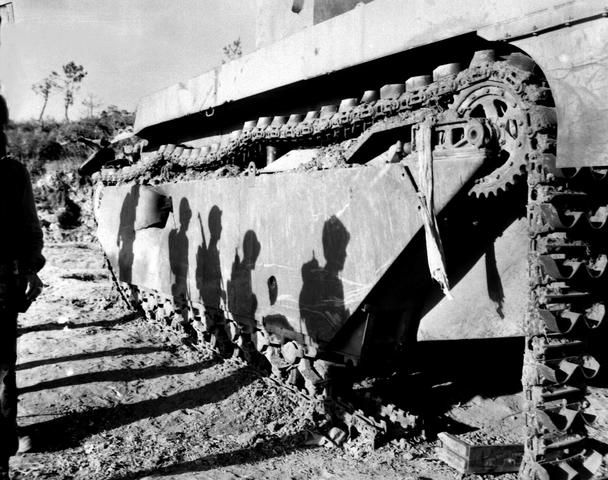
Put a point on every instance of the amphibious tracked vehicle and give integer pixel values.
(405, 169)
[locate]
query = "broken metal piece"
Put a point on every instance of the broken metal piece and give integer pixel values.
(480, 459)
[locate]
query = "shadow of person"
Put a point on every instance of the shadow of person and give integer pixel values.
(208, 267)
(126, 234)
(122, 375)
(215, 461)
(242, 302)
(79, 425)
(105, 324)
(178, 255)
(322, 296)
(115, 352)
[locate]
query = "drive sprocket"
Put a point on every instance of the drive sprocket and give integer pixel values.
(505, 111)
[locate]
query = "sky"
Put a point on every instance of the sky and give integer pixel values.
(130, 48)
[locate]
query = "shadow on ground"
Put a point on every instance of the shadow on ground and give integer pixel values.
(221, 460)
(116, 352)
(122, 375)
(76, 426)
(60, 326)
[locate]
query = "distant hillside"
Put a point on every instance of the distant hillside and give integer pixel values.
(52, 145)
(52, 153)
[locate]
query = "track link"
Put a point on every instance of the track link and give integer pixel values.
(497, 91)
(567, 267)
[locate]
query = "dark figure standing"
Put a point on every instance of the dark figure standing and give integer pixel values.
(208, 268)
(20, 261)
(178, 255)
(322, 297)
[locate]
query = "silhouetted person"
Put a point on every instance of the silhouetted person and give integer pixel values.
(322, 296)
(208, 268)
(242, 302)
(178, 253)
(126, 234)
(20, 260)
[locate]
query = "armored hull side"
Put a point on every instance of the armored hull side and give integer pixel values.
(302, 250)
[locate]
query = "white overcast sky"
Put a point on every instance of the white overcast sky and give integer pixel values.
(130, 48)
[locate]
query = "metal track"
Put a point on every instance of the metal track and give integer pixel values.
(567, 262)
(508, 103)
(472, 92)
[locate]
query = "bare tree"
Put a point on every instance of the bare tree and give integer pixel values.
(45, 88)
(91, 102)
(72, 77)
(232, 51)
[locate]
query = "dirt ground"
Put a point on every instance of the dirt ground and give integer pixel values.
(106, 395)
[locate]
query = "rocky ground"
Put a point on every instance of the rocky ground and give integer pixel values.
(106, 395)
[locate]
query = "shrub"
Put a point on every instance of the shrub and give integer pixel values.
(52, 154)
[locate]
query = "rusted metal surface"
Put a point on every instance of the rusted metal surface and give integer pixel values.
(317, 234)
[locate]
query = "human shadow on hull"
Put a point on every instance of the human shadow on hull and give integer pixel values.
(321, 299)
(209, 280)
(126, 234)
(242, 301)
(178, 255)
(210, 283)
